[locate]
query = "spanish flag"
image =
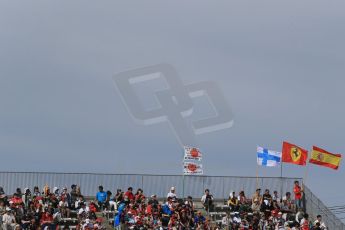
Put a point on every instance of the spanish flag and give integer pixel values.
(293, 154)
(324, 158)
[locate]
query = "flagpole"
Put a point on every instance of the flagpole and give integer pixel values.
(281, 179)
(257, 168)
(281, 174)
(304, 181)
(183, 173)
(183, 177)
(183, 186)
(257, 176)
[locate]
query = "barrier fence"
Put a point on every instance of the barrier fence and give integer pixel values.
(219, 186)
(315, 206)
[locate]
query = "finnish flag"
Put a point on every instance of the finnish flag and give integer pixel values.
(268, 158)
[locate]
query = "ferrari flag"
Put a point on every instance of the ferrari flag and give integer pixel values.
(324, 158)
(293, 154)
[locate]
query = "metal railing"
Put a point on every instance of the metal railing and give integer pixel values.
(315, 206)
(220, 186)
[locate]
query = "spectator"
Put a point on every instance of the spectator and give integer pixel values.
(257, 196)
(2, 211)
(19, 192)
(8, 220)
(199, 219)
(298, 191)
(207, 201)
(237, 219)
(118, 196)
(172, 193)
(28, 221)
(267, 196)
(129, 194)
(242, 198)
(275, 196)
(288, 205)
(139, 196)
(299, 215)
(233, 202)
(153, 200)
(73, 196)
(17, 201)
(112, 202)
(266, 205)
(320, 223)
(79, 202)
(108, 199)
(36, 192)
(83, 211)
(101, 197)
(27, 197)
(317, 226)
(171, 206)
(305, 223)
(43, 212)
(190, 205)
(3, 196)
(78, 190)
(65, 198)
(256, 205)
(56, 192)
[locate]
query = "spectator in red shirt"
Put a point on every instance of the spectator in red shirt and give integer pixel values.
(47, 220)
(298, 191)
(17, 201)
(129, 194)
(139, 196)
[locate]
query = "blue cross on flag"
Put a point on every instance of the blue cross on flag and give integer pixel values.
(268, 158)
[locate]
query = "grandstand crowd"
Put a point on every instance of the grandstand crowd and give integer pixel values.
(69, 209)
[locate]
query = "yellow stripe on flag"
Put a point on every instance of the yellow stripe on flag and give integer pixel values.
(324, 158)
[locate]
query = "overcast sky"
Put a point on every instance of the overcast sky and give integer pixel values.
(280, 65)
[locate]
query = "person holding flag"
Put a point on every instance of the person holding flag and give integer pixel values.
(298, 191)
(295, 155)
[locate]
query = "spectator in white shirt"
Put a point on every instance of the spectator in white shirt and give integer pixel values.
(275, 196)
(8, 220)
(319, 220)
(172, 193)
(207, 200)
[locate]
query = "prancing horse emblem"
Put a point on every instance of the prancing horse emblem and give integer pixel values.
(295, 154)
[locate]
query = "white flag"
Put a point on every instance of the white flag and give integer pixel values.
(190, 168)
(192, 154)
